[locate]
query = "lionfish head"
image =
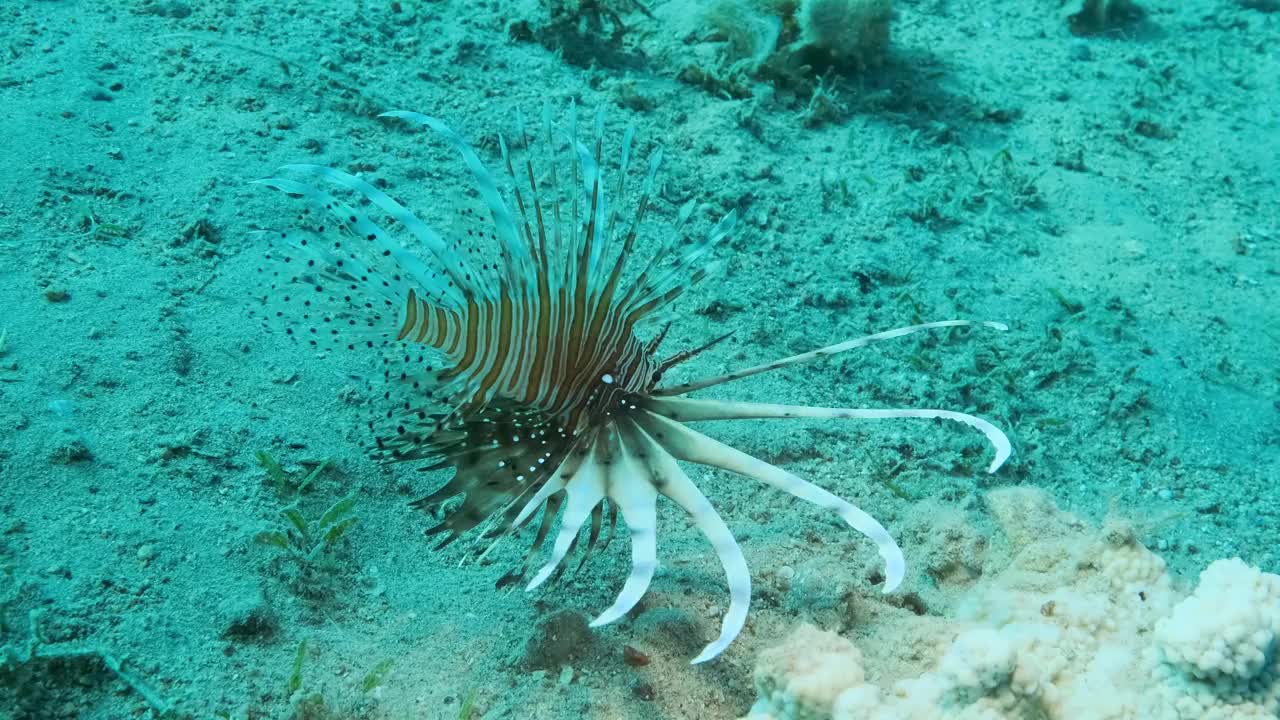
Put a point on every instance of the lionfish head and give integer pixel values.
(527, 374)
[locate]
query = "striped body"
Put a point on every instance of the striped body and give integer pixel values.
(536, 349)
(551, 405)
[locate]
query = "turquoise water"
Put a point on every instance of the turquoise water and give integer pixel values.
(1109, 195)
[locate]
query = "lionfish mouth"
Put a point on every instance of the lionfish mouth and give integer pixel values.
(552, 404)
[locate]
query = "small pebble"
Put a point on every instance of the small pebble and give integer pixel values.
(634, 657)
(246, 615)
(556, 641)
(644, 691)
(147, 553)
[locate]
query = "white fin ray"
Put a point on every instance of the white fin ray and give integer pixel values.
(459, 270)
(692, 446)
(690, 410)
(519, 262)
(688, 387)
(593, 180)
(679, 272)
(553, 485)
(677, 486)
(631, 490)
(363, 228)
(583, 491)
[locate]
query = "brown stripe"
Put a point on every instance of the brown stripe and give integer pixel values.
(575, 341)
(639, 311)
(558, 350)
(503, 341)
(599, 343)
(426, 323)
(475, 321)
(630, 242)
(411, 315)
(444, 321)
(472, 311)
(543, 310)
(522, 335)
(580, 291)
(574, 325)
(584, 262)
(524, 215)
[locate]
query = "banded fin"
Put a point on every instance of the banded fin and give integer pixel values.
(458, 281)
(501, 453)
(341, 283)
(517, 258)
(475, 356)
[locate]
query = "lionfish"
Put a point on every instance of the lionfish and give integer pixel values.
(551, 400)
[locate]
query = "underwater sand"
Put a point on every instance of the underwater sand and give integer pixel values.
(1112, 198)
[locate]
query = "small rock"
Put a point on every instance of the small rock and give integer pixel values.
(634, 657)
(557, 640)
(71, 453)
(247, 617)
(147, 553)
(644, 691)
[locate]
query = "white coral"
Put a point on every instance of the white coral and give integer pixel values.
(1091, 629)
(801, 679)
(986, 673)
(1226, 630)
(1217, 649)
